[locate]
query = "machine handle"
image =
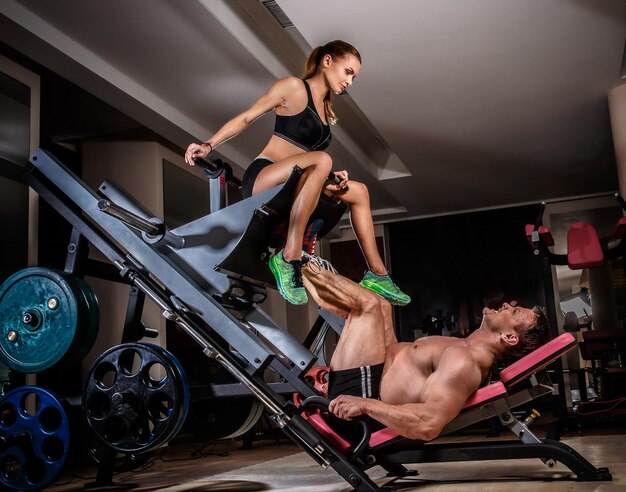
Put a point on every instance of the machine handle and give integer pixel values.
(130, 218)
(333, 178)
(213, 167)
(323, 403)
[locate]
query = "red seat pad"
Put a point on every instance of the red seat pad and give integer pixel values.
(620, 228)
(480, 397)
(537, 359)
(583, 247)
(317, 421)
(485, 395)
(609, 335)
(545, 236)
(382, 436)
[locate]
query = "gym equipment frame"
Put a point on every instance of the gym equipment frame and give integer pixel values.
(217, 307)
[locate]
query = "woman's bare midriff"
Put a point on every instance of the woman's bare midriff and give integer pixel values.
(278, 149)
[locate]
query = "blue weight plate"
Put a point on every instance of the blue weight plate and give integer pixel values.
(36, 440)
(93, 310)
(39, 316)
(88, 321)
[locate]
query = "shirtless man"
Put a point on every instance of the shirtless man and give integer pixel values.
(413, 388)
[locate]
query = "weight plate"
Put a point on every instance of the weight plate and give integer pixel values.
(185, 396)
(317, 377)
(44, 314)
(122, 462)
(34, 438)
(88, 322)
(256, 410)
(224, 417)
(136, 397)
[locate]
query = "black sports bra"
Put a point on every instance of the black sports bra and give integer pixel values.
(305, 129)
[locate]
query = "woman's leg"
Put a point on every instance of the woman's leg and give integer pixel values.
(357, 197)
(377, 279)
(286, 264)
(316, 166)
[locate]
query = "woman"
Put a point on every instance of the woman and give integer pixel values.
(302, 131)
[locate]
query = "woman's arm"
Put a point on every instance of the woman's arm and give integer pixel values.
(276, 96)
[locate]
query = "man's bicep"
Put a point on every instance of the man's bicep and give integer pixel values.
(449, 387)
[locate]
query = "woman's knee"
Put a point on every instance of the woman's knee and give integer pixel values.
(323, 163)
(357, 193)
(359, 189)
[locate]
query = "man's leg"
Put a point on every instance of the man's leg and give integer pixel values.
(368, 330)
(390, 332)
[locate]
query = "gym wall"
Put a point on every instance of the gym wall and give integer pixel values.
(453, 266)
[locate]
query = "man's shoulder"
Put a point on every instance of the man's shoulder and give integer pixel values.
(454, 345)
(439, 346)
(457, 356)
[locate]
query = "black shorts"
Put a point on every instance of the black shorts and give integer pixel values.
(360, 381)
(249, 177)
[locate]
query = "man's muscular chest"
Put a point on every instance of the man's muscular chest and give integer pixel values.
(408, 367)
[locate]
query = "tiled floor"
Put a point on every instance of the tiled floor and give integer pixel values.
(269, 466)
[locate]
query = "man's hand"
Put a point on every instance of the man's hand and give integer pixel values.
(346, 407)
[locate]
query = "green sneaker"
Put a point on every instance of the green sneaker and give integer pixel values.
(385, 288)
(288, 278)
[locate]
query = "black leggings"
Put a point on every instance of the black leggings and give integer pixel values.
(249, 177)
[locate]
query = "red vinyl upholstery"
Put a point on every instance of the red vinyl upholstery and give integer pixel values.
(537, 359)
(583, 247)
(545, 236)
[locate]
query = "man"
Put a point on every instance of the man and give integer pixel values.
(413, 388)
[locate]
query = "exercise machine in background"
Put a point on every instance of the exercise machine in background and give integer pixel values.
(602, 397)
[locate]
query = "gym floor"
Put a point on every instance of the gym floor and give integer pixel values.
(283, 466)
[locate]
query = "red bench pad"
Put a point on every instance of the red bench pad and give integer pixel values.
(583, 247)
(321, 426)
(485, 395)
(537, 359)
(620, 228)
(479, 398)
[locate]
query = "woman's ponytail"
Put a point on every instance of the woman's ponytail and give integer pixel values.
(336, 49)
(313, 62)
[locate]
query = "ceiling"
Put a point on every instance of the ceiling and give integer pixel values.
(460, 105)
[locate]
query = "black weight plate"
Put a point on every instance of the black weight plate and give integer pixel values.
(224, 417)
(135, 397)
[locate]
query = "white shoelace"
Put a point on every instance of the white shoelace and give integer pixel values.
(320, 263)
